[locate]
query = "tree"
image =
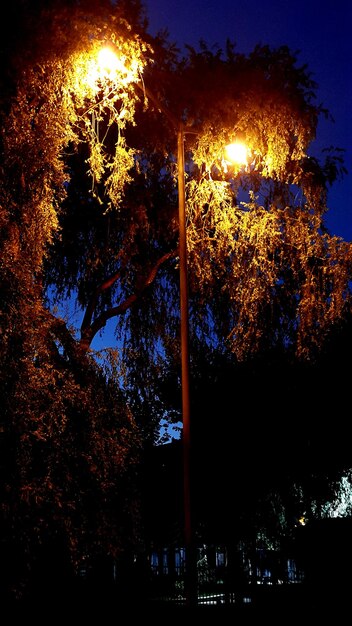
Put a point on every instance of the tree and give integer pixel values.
(69, 443)
(271, 271)
(88, 211)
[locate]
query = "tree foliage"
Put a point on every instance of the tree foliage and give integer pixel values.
(265, 261)
(69, 443)
(88, 211)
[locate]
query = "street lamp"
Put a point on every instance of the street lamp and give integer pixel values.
(235, 152)
(190, 562)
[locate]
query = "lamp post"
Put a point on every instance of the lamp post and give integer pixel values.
(235, 153)
(190, 561)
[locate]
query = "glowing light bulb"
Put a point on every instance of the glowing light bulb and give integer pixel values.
(236, 153)
(108, 60)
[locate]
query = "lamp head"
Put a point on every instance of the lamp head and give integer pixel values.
(107, 60)
(236, 153)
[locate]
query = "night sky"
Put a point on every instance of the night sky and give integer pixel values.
(321, 35)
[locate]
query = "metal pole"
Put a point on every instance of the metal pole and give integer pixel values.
(190, 563)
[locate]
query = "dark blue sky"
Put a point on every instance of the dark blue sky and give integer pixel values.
(321, 34)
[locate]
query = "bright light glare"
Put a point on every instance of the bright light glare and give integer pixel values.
(236, 153)
(108, 60)
(115, 66)
(107, 68)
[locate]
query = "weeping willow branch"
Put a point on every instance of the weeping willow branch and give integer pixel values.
(89, 329)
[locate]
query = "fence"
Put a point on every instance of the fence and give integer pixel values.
(225, 575)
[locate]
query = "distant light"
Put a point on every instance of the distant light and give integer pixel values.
(236, 153)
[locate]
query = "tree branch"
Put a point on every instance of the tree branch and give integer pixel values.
(88, 316)
(89, 329)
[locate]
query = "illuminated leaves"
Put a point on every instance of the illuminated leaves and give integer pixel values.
(120, 174)
(69, 444)
(104, 99)
(266, 267)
